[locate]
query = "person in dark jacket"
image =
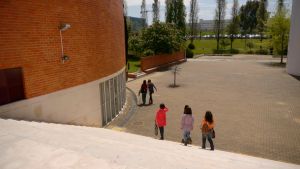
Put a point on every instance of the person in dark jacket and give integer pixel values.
(151, 88)
(143, 90)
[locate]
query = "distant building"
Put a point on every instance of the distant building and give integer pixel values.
(136, 24)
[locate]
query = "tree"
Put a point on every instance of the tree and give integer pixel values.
(262, 17)
(248, 19)
(155, 9)
(279, 27)
(144, 13)
(156, 39)
(193, 18)
(175, 13)
(234, 26)
(219, 20)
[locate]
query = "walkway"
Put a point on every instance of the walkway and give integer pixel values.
(255, 102)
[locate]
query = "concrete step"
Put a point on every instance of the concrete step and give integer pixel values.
(44, 145)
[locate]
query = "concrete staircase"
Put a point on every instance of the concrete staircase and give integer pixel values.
(44, 145)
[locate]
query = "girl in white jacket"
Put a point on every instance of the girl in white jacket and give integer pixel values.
(187, 123)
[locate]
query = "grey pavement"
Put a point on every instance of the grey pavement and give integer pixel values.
(255, 103)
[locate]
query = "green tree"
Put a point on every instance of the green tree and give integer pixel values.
(219, 20)
(234, 26)
(278, 28)
(248, 19)
(175, 13)
(194, 9)
(262, 18)
(162, 38)
(155, 10)
(135, 44)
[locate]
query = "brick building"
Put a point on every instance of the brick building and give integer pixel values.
(62, 61)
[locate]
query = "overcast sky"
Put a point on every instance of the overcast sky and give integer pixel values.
(207, 8)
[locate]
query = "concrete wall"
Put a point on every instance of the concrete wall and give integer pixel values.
(293, 60)
(159, 60)
(30, 38)
(80, 105)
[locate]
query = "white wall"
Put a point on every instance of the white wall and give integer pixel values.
(293, 60)
(79, 105)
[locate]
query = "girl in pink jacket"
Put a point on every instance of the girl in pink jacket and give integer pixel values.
(161, 119)
(187, 123)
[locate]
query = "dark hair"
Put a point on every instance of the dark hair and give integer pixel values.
(209, 117)
(189, 111)
(149, 81)
(144, 82)
(185, 107)
(162, 106)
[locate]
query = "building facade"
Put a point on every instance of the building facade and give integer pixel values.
(62, 61)
(293, 59)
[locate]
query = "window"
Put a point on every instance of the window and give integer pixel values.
(112, 95)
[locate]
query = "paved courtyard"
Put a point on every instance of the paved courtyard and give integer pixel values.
(255, 103)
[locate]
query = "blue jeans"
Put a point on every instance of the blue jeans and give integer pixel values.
(207, 135)
(186, 135)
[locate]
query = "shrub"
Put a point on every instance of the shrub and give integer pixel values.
(250, 45)
(224, 43)
(250, 52)
(148, 52)
(191, 46)
(262, 52)
(189, 53)
(234, 51)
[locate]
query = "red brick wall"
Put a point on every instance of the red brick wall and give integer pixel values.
(29, 38)
(159, 60)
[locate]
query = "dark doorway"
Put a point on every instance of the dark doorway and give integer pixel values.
(11, 85)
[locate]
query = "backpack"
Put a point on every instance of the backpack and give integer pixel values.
(205, 128)
(144, 89)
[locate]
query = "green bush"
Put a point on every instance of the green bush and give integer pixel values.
(262, 52)
(234, 51)
(191, 46)
(148, 52)
(250, 52)
(189, 53)
(250, 45)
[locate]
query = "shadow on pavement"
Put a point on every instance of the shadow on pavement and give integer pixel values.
(296, 77)
(274, 64)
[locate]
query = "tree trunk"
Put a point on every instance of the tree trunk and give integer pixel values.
(231, 41)
(282, 38)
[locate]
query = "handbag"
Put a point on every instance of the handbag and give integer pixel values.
(155, 129)
(213, 133)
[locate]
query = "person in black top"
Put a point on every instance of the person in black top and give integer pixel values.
(151, 88)
(143, 90)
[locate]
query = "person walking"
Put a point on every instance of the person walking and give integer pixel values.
(207, 127)
(161, 119)
(151, 88)
(143, 90)
(187, 123)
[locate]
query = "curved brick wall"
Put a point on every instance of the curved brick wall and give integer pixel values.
(29, 38)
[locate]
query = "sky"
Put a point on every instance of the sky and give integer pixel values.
(206, 12)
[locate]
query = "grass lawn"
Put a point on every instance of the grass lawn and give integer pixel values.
(134, 64)
(206, 46)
